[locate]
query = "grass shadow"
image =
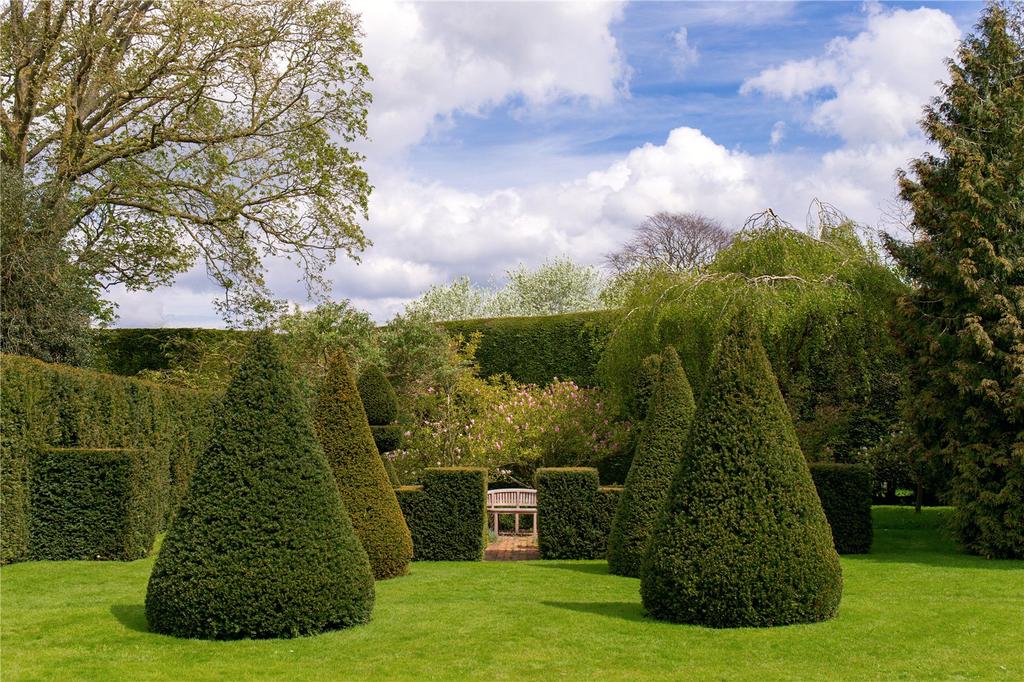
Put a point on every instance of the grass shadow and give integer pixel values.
(132, 616)
(591, 568)
(624, 610)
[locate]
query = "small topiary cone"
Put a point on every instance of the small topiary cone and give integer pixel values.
(658, 454)
(359, 471)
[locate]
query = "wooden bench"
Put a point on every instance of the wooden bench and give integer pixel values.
(513, 501)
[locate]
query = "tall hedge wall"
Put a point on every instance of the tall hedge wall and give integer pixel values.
(537, 349)
(845, 493)
(574, 514)
(96, 503)
(127, 352)
(53, 406)
(447, 515)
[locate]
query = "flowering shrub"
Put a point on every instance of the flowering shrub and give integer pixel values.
(510, 427)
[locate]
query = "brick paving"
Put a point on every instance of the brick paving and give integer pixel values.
(512, 548)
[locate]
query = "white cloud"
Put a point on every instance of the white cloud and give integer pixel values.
(778, 132)
(686, 55)
(432, 60)
(879, 79)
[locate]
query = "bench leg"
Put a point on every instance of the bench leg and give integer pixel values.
(517, 523)
(534, 524)
(495, 523)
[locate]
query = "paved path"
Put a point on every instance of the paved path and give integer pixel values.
(512, 548)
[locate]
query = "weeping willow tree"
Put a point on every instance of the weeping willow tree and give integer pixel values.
(821, 300)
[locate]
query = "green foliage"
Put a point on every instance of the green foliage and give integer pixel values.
(417, 353)
(963, 325)
(389, 467)
(262, 546)
(821, 303)
(387, 437)
(742, 539)
(845, 494)
(536, 350)
(187, 140)
(96, 504)
(53, 406)
(360, 473)
(378, 396)
(658, 453)
(574, 514)
(447, 514)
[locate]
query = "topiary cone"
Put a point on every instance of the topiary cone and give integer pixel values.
(362, 480)
(742, 539)
(658, 454)
(381, 405)
(261, 546)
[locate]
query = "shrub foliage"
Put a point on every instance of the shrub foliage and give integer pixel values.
(574, 514)
(262, 546)
(359, 471)
(378, 396)
(657, 457)
(52, 406)
(845, 493)
(96, 504)
(447, 515)
(742, 539)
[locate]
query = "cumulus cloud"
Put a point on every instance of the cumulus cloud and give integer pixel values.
(877, 81)
(432, 60)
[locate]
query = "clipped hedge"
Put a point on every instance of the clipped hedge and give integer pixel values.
(54, 406)
(359, 470)
(447, 515)
(535, 350)
(96, 503)
(262, 546)
(127, 352)
(574, 513)
(845, 493)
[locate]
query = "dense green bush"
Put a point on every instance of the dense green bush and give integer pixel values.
(359, 471)
(845, 494)
(574, 514)
(96, 504)
(129, 351)
(822, 302)
(657, 457)
(742, 539)
(53, 406)
(387, 437)
(378, 396)
(447, 514)
(262, 546)
(535, 350)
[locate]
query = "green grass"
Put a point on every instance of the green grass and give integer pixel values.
(915, 608)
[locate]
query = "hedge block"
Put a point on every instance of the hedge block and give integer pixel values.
(96, 503)
(845, 493)
(447, 515)
(574, 513)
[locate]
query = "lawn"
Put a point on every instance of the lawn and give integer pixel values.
(915, 608)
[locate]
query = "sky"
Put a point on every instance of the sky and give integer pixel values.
(511, 133)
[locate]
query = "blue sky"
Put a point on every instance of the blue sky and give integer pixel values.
(512, 133)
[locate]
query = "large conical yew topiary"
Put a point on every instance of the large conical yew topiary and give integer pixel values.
(742, 539)
(261, 546)
(659, 450)
(362, 480)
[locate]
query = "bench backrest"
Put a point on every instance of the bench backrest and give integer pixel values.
(512, 498)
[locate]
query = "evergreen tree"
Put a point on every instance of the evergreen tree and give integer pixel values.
(381, 404)
(362, 479)
(658, 453)
(262, 546)
(963, 326)
(742, 539)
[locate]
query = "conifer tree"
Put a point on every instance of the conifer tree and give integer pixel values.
(369, 497)
(658, 453)
(261, 546)
(742, 539)
(963, 325)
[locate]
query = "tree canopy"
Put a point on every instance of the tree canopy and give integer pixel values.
(162, 133)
